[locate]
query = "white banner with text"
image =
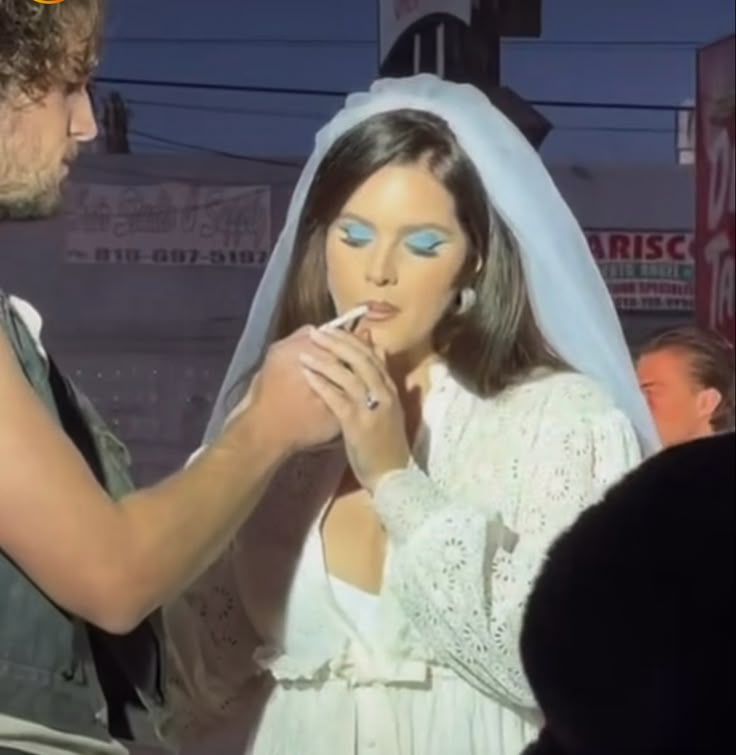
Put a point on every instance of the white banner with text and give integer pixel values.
(171, 224)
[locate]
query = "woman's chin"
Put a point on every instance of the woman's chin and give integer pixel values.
(393, 342)
(383, 340)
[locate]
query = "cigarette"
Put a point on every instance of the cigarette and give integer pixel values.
(348, 317)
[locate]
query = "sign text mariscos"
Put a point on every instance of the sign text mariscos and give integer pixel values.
(646, 271)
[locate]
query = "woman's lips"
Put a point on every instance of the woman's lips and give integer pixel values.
(378, 311)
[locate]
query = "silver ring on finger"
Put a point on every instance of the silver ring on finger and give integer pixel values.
(371, 402)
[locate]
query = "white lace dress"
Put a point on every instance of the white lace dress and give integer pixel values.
(267, 661)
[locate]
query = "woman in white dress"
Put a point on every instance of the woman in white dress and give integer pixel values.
(373, 603)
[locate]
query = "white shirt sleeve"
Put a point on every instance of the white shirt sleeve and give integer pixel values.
(32, 319)
(463, 575)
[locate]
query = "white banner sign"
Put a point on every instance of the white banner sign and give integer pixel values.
(170, 224)
(396, 16)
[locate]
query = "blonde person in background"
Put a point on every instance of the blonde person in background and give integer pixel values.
(687, 375)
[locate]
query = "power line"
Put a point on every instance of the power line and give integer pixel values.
(219, 87)
(320, 116)
(186, 145)
(365, 42)
(616, 129)
(607, 105)
(179, 175)
(667, 43)
(337, 93)
(211, 150)
(313, 115)
(174, 143)
(258, 41)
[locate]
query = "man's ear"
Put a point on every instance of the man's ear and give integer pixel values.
(708, 400)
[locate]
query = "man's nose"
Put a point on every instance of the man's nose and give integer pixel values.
(82, 121)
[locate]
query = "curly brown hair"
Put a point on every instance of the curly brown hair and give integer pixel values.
(44, 46)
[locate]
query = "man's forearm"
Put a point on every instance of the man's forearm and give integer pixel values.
(180, 526)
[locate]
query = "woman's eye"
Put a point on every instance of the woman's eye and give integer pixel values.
(356, 235)
(355, 240)
(425, 242)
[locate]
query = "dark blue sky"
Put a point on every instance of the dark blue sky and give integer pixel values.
(591, 50)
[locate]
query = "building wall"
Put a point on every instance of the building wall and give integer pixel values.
(148, 344)
(632, 198)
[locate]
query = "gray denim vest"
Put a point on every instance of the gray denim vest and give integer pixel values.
(55, 669)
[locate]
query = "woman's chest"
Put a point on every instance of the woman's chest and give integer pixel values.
(354, 541)
(309, 525)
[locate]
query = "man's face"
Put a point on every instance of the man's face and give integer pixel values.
(681, 408)
(39, 139)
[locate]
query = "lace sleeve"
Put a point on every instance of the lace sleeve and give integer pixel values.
(210, 643)
(463, 576)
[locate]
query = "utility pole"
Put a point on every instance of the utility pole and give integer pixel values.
(115, 123)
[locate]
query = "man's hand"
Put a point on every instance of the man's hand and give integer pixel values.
(112, 565)
(281, 395)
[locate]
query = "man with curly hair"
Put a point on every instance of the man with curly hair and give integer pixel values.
(83, 558)
(46, 57)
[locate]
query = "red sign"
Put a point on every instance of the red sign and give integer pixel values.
(646, 271)
(714, 251)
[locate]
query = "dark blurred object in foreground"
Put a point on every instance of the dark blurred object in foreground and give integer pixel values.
(628, 639)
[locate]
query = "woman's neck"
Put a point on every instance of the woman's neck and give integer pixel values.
(412, 377)
(412, 373)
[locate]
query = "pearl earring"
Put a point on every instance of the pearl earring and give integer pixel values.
(467, 301)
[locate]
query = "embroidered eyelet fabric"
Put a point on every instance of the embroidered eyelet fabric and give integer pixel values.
(266, 662)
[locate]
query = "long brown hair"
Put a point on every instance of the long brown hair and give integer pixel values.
(497, 342)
